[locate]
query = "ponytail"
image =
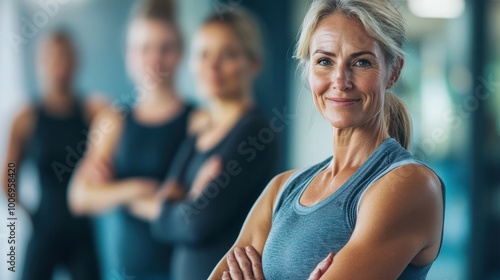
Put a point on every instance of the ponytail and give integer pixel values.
(397, 120)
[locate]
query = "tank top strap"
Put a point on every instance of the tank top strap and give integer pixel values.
(294, 181)
(384, 172)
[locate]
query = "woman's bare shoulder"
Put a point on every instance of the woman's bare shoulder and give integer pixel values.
(276, 184)
(411, 186)
(25, 119)
(95, 105)
(416, 175)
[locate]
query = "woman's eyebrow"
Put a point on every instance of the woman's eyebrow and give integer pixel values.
(362, 53)
(324, 52)
(351, 55)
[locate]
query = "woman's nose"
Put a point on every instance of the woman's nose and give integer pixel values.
(213, 63)
(153, 58)
(341, 78)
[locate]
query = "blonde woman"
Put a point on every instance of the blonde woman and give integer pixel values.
(134, 148)
(373, 210)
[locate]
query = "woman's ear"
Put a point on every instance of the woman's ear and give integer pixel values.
(396, 72)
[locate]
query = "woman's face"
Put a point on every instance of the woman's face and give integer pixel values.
(56, 62)
(347, 72)
(153, 53)
(221, 66)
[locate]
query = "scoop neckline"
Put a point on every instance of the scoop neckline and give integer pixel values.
(75, 106)
(302, 209)
(225, 137)
(169, 121)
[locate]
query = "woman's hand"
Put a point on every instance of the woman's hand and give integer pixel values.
(245, 264)
(172, 191)
(209, 171)
(321, 268)
(147, 208)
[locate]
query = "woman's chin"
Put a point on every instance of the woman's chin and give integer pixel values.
(341, 121)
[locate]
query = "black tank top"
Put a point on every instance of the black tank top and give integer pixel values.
(56, 146)
(146, 151)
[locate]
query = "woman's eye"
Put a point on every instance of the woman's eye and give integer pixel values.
(324, 62)
(167, 48)
(228, 55)
(201, 54)
(363, 63)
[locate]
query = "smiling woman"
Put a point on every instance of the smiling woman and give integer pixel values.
(373, 205)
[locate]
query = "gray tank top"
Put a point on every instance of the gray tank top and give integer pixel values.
(301, 236)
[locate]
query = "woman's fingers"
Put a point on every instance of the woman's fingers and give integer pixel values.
(225, 276)
(244, 263)
(321, 268)
(172, 191)
(146, 208)
(209, 171)
(234, 268)
(256, 261)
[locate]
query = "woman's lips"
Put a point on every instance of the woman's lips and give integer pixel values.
(343, 102)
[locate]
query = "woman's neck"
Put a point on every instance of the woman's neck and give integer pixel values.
(162, 95)
(224, 113)
(158, 99)
(58, 100)
(157, 105)
(353, 146)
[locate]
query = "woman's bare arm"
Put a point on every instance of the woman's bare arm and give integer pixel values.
(258, 223)
(95, 105)
(400, 216)
(93, 189)
(21, 130)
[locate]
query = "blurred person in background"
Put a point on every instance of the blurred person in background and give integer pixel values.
(52, 133)
(137, 145)
(373, 209)
(227, 159)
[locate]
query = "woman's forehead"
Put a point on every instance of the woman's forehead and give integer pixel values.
(338, 32)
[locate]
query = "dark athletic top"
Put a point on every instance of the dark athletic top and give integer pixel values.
(56, 146)
(301, 236)
(203, 230)
(146, 151)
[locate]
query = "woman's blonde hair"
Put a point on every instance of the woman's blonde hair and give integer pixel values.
(162, 10)
(383, 22)
(246, 28)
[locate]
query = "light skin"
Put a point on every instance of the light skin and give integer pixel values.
(153, 54)
(56, 65)
(400, 216)
(224, 74)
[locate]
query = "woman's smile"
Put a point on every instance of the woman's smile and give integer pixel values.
(343, 102)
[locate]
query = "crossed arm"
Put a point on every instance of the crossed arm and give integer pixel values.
(399, 222)
(93, 189)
